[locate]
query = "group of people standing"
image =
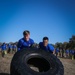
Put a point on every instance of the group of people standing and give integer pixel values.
(65, 53)
(7, 48)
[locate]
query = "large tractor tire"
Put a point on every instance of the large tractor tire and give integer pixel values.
(35, 62)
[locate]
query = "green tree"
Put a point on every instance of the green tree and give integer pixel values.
(72, 42)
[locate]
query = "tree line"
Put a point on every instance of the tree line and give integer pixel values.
(70, 45)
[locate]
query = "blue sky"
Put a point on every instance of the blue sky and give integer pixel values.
(52, 18)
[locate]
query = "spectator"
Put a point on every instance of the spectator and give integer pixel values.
(3, 49)
(67, 53)
(72, 54)
(14, 48)
(10, 48)
(57, 52)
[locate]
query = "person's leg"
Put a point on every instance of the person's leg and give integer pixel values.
(72, 56)
(61, 53)
(8, 50)
(11, 50)
(3, 54)
(64, 54)
(68, 55)
(16, 50)
(58, 54)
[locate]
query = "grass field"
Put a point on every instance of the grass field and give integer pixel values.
(69, 65)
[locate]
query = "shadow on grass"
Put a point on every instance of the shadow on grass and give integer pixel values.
(4, 74)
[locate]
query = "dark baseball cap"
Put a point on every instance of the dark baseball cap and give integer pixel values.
(26, 32)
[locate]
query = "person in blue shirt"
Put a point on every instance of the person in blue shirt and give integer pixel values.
(14, 48)
(72, 52)
(67, 53)
(10, 48)
(57, 51)
(26, 41)
(46, 46)
(3, 49)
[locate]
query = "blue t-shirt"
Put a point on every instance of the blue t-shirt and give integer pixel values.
(14, 46)
(48, 48)
(72, 51)
(24, 44)
(67, 51)
(56, 50)
(9, 46)
(3, 47)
